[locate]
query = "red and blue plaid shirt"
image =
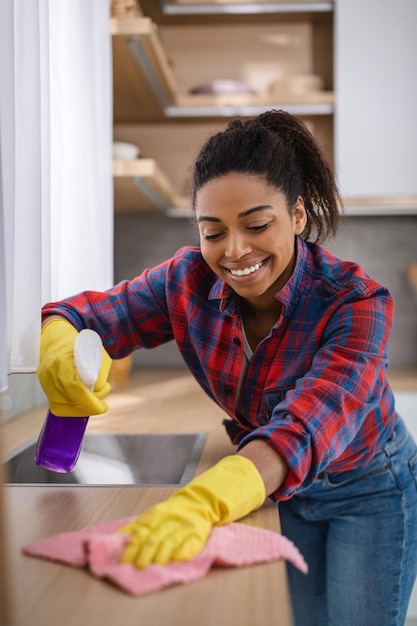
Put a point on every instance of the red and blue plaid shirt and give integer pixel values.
(315, 389)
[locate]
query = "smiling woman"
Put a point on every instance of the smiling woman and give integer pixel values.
(291, 342)
(250, 245)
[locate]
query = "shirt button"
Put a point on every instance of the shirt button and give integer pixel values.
(227, 390)
(236, 341)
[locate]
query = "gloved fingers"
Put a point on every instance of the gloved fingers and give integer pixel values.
(156, 546)
(134, 547)
(102, 393)
(102, 387)
(62, 409)
(188, 548)
(130, 553)
(169, 542)
(88, 404)
(73, 399)
(167, 550)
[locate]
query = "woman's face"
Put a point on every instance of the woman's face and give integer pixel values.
(247, 233)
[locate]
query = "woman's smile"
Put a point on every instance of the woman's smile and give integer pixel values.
(247, 233)
(247, 271)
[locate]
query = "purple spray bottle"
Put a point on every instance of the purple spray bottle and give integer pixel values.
(61, 438)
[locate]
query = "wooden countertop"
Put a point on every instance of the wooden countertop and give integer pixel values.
(46, 593)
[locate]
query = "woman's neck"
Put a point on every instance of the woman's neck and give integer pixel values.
(259, 319)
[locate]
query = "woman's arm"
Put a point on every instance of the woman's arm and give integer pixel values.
(335, 412)
(270, 465)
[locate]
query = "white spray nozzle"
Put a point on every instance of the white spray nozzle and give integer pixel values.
(88, 354)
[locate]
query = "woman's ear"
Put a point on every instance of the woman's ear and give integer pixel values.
(299, 216)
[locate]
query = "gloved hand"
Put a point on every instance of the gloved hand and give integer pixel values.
(177, 529)
(67, 395)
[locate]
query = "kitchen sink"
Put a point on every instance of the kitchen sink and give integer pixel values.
(118, 459)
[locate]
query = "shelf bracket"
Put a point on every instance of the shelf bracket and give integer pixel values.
(142, 59)
(151, 194)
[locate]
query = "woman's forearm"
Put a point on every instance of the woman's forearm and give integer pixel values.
(269, 464)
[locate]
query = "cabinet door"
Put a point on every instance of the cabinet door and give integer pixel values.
(376, 103)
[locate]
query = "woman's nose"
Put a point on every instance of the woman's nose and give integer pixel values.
(237, 246)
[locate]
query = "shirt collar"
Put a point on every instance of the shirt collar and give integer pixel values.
(223, 292)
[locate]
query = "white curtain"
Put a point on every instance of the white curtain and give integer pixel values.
(56, 189)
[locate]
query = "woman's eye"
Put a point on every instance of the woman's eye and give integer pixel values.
(258, 229)
(211, 237)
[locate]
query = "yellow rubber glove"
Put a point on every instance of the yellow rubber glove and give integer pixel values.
(67, 395)
(177, 529)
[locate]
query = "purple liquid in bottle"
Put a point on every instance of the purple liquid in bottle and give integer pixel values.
(60, 442)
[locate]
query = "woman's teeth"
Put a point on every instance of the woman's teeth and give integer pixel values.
(246, 271)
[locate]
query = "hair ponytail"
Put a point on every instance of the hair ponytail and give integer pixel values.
(278, 147)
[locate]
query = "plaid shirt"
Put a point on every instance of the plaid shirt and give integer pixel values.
(316, 388)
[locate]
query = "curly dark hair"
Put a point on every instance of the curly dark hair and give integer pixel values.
(279, 148)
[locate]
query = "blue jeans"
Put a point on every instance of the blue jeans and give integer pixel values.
(358, 533)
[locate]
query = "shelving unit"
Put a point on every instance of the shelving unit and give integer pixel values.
(145, 86)
(151, 89)
(158, 58)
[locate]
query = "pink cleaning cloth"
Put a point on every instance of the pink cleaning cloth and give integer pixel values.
(99, 549)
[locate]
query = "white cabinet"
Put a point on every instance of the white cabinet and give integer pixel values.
(375, 120)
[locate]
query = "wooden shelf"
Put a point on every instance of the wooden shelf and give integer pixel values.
(145, 88)
(319, 103)
(168, 11)
(143, 82)
(379, 206)
(140, 186)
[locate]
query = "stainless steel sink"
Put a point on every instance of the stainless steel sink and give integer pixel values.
(118, 459)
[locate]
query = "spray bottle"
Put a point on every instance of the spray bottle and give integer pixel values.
(60, 440)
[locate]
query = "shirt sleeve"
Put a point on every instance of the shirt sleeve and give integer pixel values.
(131, 315)
(325, 411)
